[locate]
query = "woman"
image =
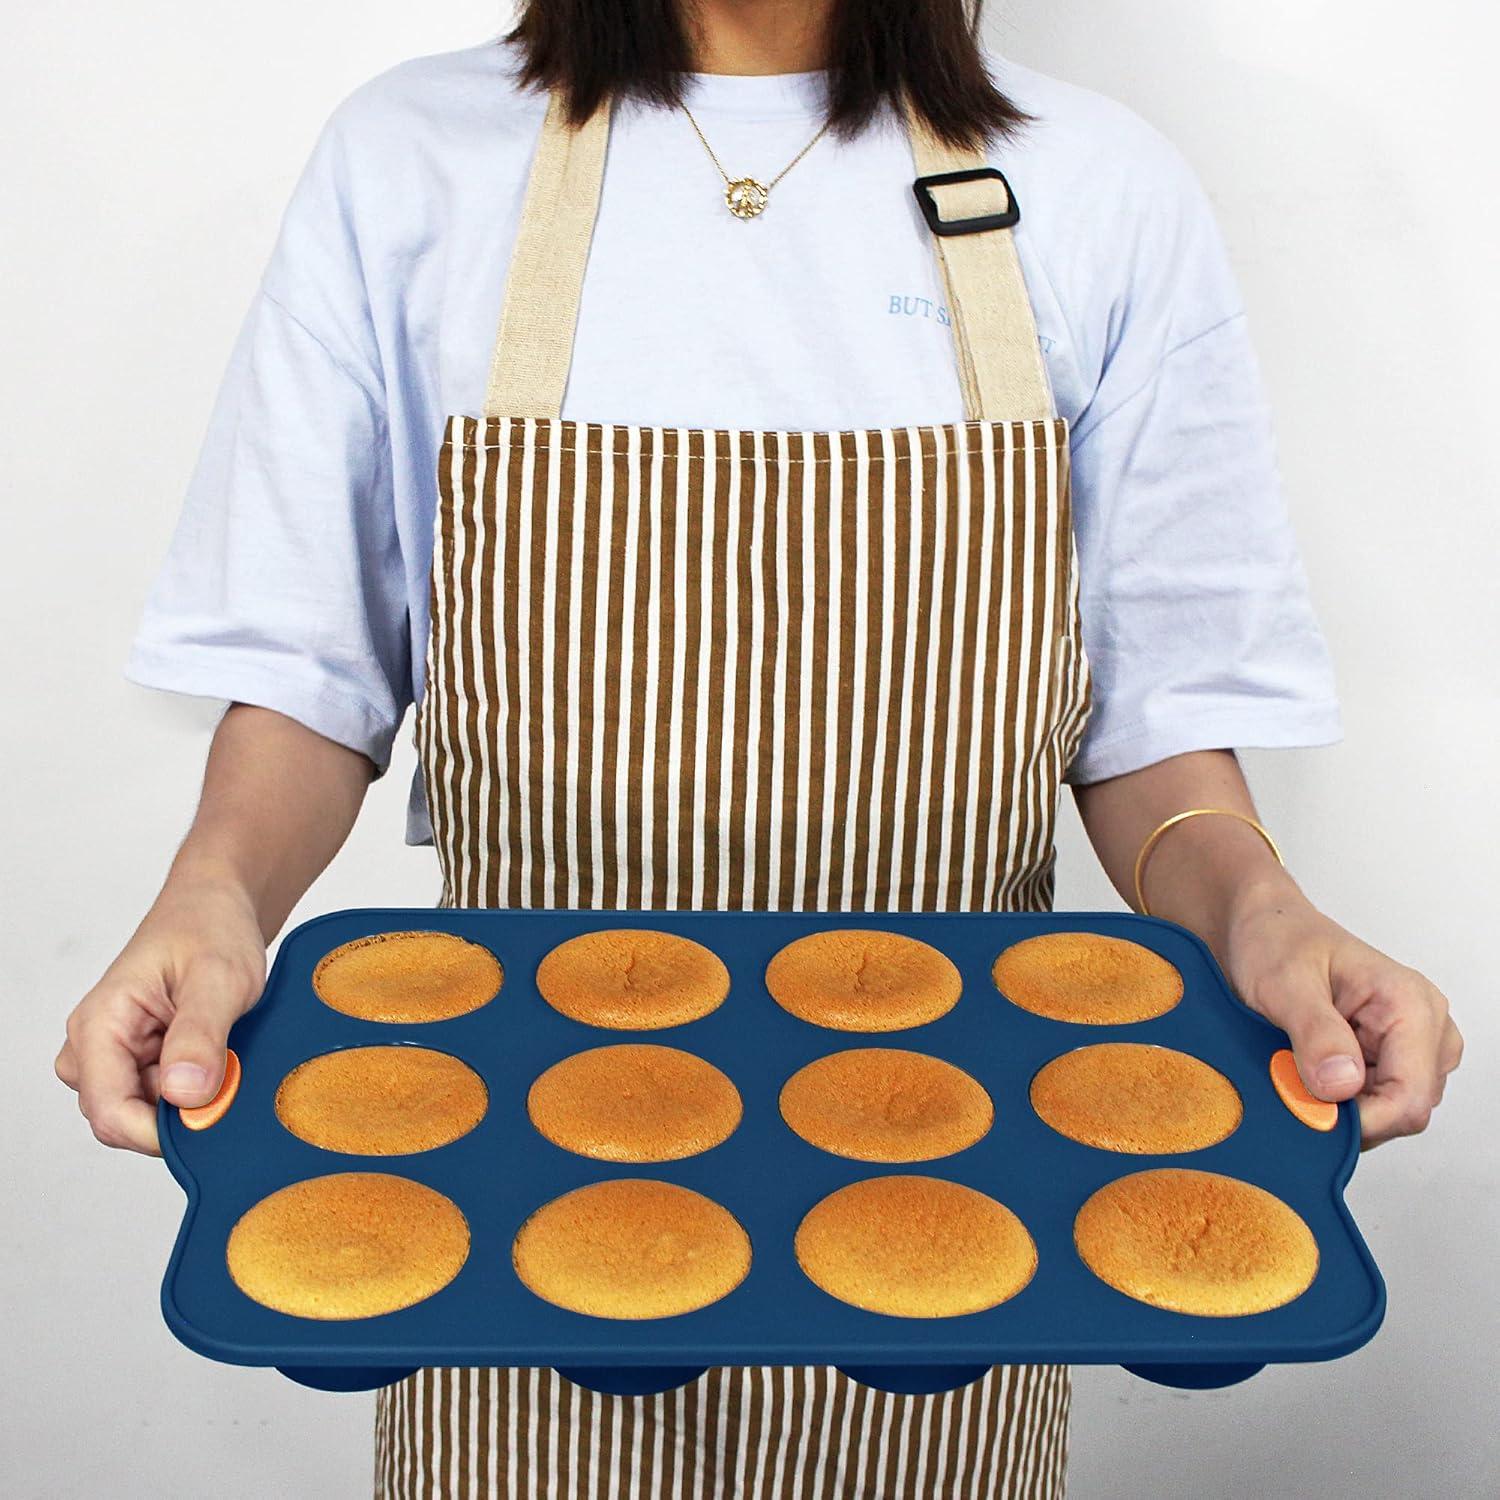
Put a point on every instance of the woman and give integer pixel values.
(833, 638)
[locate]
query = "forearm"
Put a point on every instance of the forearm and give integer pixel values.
(278, 802)
(1205, 871)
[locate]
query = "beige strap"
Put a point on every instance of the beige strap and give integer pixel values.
(534, 347)
(1000, 364)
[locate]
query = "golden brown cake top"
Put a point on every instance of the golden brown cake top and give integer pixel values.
(635, 1102)
(632, 979)
(350, 1245)
(408, 977)
(915, 1247)
(1087, 977)
(886, 1104)
(1126, 1096)
(860, 979)
(632, 1248)
(1196, 1242)
(381, 1101)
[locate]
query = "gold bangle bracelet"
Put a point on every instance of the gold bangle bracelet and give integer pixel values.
(1193, 812)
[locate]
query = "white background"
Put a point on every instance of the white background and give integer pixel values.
(1349, 147)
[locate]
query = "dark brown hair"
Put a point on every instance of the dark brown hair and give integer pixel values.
(876, 49)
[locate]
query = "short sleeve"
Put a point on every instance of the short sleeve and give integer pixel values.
(1195, 605)
(283, 584)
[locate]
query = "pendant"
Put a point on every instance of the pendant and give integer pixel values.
(746, 197)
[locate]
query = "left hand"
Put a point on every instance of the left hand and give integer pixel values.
(1360, 1023)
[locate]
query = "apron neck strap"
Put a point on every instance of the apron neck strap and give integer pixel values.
(1000, 364)
(534, 347)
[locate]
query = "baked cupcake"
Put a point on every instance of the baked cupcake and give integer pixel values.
(635, 1102)
(884, 1104)
(1196, 1242)
(1123, 1096)
(632, 979)
(352, 1245)
(915, 1247)
(407, 977)
(861, 979)
(1088, 978)
(381, 1101)
(631, 1248)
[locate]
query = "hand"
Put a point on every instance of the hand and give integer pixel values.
(157, 1022)
(1360, 1023)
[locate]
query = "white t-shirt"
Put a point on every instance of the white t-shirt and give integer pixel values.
(298, 575)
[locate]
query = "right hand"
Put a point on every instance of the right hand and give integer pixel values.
(156, 1024)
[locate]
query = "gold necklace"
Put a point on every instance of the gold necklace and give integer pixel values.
(745, 196)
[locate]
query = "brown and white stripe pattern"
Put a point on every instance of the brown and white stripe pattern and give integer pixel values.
(803, 1434)
(683, 668)
(674, 668)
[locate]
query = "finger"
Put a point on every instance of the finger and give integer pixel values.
(132, 1127)
(66, 1066)
(109, 1092)
(1403, 1085)
(208, 999)
(1450, 1054)
(1328, 1053)
(1450, 1049)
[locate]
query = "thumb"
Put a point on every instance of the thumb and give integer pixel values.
(208, 999)
(1328, 1054)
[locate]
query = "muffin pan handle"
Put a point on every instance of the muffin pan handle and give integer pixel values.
(1315, 1113)
(201, 1116)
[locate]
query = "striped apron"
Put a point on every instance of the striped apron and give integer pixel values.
(687, 668)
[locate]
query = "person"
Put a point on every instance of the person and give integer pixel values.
(793, 542)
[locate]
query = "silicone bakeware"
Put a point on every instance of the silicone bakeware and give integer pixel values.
(764, 1174)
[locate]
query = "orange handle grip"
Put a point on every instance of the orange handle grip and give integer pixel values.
(201, 1116)
(1316, 1113)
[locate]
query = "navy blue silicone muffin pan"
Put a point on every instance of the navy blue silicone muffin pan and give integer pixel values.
(765, 1175)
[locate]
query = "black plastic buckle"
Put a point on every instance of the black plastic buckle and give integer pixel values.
(923, 186)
